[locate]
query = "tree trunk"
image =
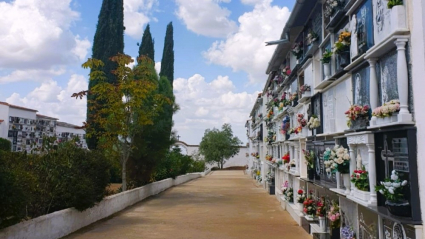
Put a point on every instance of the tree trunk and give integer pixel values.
(124, 175)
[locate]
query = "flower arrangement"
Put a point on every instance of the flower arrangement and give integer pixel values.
(309, 206)
(301, 120)
(284, 187)
(286, 71)
(314, 122)
(297, 49)
(285, 125)
(326, 56)
(286, 158)
(311, 37)
(269, 176)
(343, 43)
(309, 158)
(387, 110)
(392, 188)
(291, 131)
(255, 155)
(356, 112)
(292, 163)
(293, 97)
(392, 3)
(334, 215)
(337, 159)
(270, 114)
(279, 162)
(269, 157)
(347, 233)
(304, 88)
(320, 207)
(289, 195)
(331, 6)
(301, 196)
(360, 178)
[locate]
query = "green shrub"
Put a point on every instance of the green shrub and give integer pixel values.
(57, 178)
(5, 145)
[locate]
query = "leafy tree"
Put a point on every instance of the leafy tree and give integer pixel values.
(108, 42)
(147, 46)
(167, 63)
(219, 145)
(129, 105)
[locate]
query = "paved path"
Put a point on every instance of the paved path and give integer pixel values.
(223, 205)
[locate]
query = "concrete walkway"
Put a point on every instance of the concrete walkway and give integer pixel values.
(223, 205)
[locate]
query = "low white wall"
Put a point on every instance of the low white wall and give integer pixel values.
(61, 223)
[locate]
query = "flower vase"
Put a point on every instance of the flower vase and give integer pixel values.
(387, 120)
(310, 173)
(402, 208)
(335, 233)
(301, 207)
(322, 224)
(344, 58)
(347, 183)
(327, 70)
(398, 18)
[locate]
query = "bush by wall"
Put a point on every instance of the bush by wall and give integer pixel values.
(59, 177)
(5, 145)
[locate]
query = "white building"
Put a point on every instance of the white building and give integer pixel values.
(383, 64)
(26, 129)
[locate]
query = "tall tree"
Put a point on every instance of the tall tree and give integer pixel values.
(131, 105)
(219, 145)
(147, 46)
(167, 63)
(108, 42)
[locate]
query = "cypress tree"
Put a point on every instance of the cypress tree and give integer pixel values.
(167, 63)
(108, 42)
(147, 46)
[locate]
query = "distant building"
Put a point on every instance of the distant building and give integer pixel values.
(26, 129)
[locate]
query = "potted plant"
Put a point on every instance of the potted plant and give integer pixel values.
(387, 113)
(393, 190)
(326, 59)
(331, 7)
(321, 212)
(300, 199)
(358, 116)
(311, 37)
(342, 48)
(286, 158)
(310, 207)
(289, 195)
(297, 50)
(393, 3)
(304, 88)
(334, 217)
(360, 178)
(309, 160)
(314, 122)
(338, 160)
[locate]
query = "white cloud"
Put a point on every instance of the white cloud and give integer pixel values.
(210, 104)
(35, 34)
(52, 100)
(32, 75)
(245, 50)
(136, 15)
(206, 17)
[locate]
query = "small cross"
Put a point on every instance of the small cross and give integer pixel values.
(178, 137)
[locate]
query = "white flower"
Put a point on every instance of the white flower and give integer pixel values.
(328, 170)
(391, 190)
(396, 185)
(382, 183)
(394, 177)
(382, 192)
(404, 183)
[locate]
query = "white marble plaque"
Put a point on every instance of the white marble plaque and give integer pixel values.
(381, 20)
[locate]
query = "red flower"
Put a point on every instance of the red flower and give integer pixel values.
(300, 191)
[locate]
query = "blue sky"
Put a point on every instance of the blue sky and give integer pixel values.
(220, 57)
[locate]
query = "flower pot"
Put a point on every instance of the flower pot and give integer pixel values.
(310, 173)
(360, 123)
(347, 182)
(394, 118)
(386, 120)
(401, 209)
(362, 195)
(327, 70)
(335, 233)
(398, 18)
(344, 58)
(301, 206)
(322, 224)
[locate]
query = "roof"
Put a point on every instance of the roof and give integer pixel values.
(46, 117)
(295, 24)
(17, 107)
(68, 125)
